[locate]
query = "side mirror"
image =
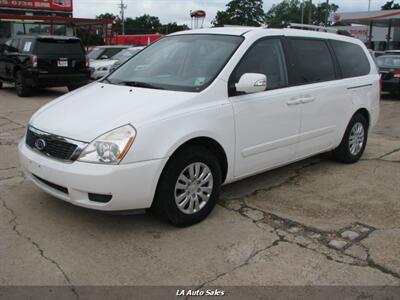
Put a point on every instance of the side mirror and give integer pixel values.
(251, 83)
(104, 57)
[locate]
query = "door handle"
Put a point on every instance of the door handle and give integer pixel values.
(307, 99)
(296, 101)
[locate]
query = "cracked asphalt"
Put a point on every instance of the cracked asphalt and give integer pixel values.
(314, 223)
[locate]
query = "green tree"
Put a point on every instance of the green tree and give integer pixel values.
(390, 5)
(171, 27)
(145, 24)
(241, 12)
(107, 16)
(290, 11)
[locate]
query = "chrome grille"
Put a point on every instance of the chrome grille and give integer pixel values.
(53, 145)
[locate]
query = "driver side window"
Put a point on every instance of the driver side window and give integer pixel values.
(264, 57)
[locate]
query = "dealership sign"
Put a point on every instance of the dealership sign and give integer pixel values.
(54, 5)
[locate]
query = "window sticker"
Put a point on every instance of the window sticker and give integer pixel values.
(27, 46)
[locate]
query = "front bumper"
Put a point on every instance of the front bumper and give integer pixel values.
(132, 186)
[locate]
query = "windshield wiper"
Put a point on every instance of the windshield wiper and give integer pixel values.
(141, 84)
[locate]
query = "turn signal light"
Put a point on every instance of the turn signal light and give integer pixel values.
(396, 74)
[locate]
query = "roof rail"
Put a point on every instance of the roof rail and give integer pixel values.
(318, 28)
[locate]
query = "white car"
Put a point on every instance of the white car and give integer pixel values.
(101, 68)
(202, 108)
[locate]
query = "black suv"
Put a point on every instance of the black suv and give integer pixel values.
(43, 61)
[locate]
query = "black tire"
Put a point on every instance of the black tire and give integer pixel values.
(22, 89)
(1, 84)
(343, 152)
(164, 204)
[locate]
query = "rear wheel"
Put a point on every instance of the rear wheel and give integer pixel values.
(354, 141)
(189, 187)
(23, 90)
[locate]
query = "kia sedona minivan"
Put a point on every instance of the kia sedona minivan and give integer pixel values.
(43, 61)
(199, 109)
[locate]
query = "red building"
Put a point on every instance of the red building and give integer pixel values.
(47, 17)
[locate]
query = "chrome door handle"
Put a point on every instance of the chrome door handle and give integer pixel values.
(296, 101)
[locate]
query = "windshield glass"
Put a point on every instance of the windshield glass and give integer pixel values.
(389, 61)
(180, 63)
(95, 53)
(59, 47)
(125, 54)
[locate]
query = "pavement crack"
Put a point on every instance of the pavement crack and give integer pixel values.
(245, 263)
(372, 264)
(15, 224)
(13, 122)
(389, 153)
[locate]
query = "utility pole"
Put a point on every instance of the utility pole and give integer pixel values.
(310, 13)
(122, 6)
(302, 12)
(369, 5)
(327, 12)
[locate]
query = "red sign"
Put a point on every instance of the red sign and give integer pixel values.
(53, 5)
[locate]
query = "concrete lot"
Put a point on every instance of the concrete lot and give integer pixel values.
(315, 222)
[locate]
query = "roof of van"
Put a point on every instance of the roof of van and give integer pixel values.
(58, 37)
(245, 31)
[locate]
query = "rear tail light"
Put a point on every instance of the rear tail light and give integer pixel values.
(87, 62)
(396, 74)
(34, 62)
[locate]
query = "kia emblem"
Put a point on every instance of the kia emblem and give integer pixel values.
(40, 144)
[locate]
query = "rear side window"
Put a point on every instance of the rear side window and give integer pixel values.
(58, 47)
(314, 62)
(265, 57)
(352, 59)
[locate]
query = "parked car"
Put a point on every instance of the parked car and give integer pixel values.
(43, 61)
(104, 52)
(389, 68)
(101, 68)
(392, 52)
(202, 108)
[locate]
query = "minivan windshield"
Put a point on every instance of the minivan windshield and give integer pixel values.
(187, 62)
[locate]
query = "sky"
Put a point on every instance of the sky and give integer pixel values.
(179, 10)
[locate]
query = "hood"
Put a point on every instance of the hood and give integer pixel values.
(98, 108)
(102, 63)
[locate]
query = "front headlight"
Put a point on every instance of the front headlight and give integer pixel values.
(111, 147)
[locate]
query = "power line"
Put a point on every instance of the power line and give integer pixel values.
(122, 7)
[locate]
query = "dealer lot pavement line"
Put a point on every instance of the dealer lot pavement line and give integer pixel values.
(15, 224)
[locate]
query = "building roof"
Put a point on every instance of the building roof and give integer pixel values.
(379, 18)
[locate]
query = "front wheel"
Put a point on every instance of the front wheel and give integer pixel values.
(354, 141)
(189, 186)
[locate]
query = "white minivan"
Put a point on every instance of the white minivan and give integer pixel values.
(202, 108)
